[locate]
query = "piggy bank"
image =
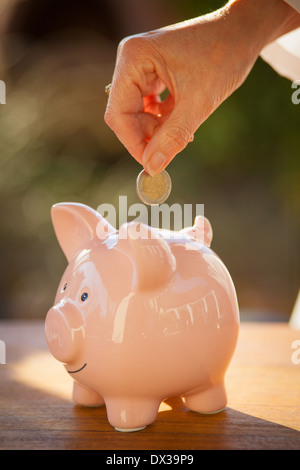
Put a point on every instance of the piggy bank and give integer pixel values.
(141, 315)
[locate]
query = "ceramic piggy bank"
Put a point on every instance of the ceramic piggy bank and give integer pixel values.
(141, 315)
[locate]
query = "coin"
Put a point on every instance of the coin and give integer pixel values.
(153, 190)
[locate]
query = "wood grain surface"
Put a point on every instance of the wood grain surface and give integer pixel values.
(263, 412)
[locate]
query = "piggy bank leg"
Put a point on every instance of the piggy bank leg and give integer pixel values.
(131, 414)
(211, 400)
(85, 396)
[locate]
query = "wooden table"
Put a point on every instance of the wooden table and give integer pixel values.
(263, 384)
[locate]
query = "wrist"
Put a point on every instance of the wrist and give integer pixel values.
(263, 21)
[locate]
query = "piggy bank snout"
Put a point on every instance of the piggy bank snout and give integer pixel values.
(64, 333)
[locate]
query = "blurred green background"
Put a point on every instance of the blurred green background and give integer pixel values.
(56, 58)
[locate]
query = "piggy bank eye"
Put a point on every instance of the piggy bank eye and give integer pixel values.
(64, 287)
(84, 296)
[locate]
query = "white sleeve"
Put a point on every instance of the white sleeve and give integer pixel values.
(284, 53)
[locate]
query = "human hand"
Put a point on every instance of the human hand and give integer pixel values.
(201, 62)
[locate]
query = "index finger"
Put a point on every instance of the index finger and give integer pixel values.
(123, 115)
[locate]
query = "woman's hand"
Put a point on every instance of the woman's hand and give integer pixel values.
(200, 62)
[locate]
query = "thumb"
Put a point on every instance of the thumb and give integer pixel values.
(170, 138)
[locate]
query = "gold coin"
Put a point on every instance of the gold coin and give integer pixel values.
(153, 190)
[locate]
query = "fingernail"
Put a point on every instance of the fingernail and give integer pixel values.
(155, 163)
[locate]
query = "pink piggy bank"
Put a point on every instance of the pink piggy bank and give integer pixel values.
(141, 315)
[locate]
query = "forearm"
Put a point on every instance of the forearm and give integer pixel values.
(244, 27)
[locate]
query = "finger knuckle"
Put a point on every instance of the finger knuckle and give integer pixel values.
(180, 135)
(123, 44)
(131, 45)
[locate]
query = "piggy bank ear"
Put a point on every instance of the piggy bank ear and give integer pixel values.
(75, 225)
(201, 231)
(154, 262)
